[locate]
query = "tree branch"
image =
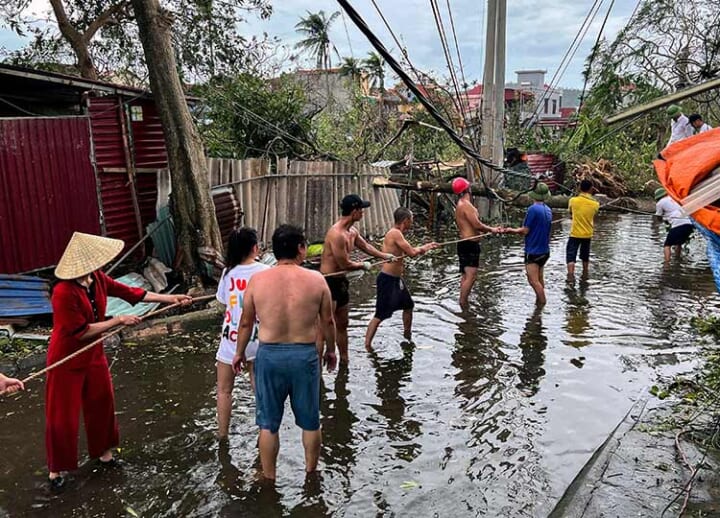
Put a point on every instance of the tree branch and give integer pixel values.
(103, 18)
(66, 28)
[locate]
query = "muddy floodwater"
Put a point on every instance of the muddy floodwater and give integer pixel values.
(491, 412)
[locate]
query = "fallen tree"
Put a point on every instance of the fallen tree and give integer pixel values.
(519, 199)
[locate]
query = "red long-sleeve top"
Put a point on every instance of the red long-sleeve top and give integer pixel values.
(75, 308)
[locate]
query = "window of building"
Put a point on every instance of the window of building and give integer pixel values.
(136, 113)
(546, 105)
(560, 102)
(554, 106)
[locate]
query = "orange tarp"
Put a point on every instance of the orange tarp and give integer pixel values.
(686, 164)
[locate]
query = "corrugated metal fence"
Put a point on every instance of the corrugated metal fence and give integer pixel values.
(47, 189)
(306, 194)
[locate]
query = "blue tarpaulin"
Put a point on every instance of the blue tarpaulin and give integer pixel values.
(23, 295)
(713, 251)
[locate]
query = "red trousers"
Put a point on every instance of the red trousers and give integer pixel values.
(67, 392)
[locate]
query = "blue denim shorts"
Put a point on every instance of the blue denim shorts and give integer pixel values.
(283, 370)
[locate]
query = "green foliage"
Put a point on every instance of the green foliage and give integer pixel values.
(249, 116)
(359, 133)
(206, 36)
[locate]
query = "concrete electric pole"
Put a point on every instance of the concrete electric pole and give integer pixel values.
(493, 95)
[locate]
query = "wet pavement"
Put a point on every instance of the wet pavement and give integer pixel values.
(491, 412)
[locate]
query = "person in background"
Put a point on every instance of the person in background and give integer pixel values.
(698, 124)
(291, 302)
(83, 383)
(680, 126)
(392, 291)
(583, 208)
(10, 385)
(536, 229)
(242, 249)
(681, 227)
(469, 226)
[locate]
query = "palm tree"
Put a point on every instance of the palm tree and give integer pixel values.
(375, 67)
(351, 67)
(316, 29)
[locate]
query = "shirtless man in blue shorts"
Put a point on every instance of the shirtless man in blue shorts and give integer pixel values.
(290, 301)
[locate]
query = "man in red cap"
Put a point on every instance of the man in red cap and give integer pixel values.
(469, 225)
(340, 240)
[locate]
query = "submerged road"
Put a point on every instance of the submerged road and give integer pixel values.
(492, 411)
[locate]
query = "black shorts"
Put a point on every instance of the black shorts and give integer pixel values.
(339, 289)
(583, 243)
(679, 235)
(392, 295)
(468, 254)
(539, 259)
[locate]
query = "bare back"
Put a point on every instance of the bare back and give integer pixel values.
(287, 300)
(338, 244)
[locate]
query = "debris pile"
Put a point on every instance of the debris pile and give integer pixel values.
(603, 176)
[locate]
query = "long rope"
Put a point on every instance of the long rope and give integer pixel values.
(105, 336)
(404, 256)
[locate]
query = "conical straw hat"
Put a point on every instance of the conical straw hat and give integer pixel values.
(86, 253)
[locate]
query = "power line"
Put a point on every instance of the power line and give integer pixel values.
(577, 40)
(448, 57)
(457, 47)
(589, 67)
(404, 52)
(347, 34)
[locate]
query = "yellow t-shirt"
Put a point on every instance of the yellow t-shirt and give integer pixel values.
(583, 208)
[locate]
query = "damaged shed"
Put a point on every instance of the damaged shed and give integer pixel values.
(75, 154)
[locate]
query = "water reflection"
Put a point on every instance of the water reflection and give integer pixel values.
(338, 420)
(533, 343)
(391, 375)
(577, 313)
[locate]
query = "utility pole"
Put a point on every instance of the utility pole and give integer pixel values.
(493, 99)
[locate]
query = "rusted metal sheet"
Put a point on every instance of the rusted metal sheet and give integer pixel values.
(106, 132)
(147, 135)
(110, 155)
(22, 295)
(47, 189)
(545, 163)
(118, 207)
(227, 211)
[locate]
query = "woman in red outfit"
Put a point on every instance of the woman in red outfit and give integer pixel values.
(79, 301)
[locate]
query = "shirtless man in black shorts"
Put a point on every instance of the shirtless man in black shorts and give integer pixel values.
(340, 240)
(469, 224)
(392, 291)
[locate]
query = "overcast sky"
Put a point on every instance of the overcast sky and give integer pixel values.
(538, 31)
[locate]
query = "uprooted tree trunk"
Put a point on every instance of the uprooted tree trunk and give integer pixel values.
(196, 227)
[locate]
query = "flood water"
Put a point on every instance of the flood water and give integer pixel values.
(492, 412)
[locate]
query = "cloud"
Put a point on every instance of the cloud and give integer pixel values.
(539, 32)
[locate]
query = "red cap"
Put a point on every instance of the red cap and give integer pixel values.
(460, 185)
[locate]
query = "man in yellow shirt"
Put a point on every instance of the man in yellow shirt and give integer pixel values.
(583, 208)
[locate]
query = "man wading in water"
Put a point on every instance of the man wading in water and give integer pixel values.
(288, 300)
(392, 292)
(340, 240)
(469, 225)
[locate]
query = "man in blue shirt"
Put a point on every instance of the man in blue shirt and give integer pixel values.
(536, 229)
